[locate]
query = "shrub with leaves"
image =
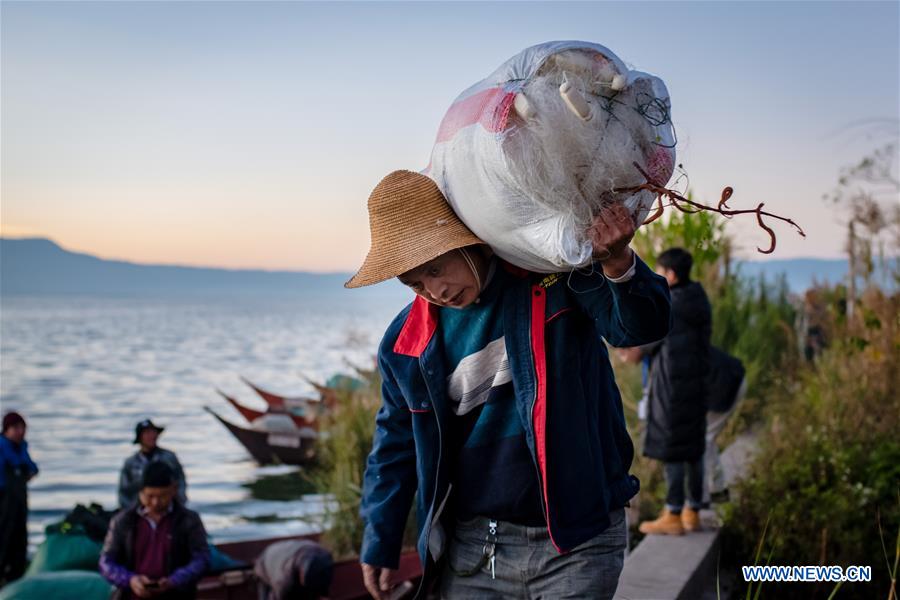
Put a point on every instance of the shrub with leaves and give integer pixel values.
(827, 478)
(342, 461)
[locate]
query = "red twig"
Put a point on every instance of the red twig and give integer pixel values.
(689, 206)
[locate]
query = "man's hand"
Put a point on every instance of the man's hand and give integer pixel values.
(377, 580)
(163, 585)
(610, 233)
(137, 584)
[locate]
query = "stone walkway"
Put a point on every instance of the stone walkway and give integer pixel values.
(684, 567)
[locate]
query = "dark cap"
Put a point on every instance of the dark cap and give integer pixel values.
(157, 475)
(11, 419)
(145, 424)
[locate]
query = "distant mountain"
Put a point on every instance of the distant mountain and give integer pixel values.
(37, 265)
(801, 273)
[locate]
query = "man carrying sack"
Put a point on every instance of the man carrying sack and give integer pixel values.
(499, 405)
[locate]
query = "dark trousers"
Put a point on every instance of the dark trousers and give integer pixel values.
(263, 591)
(13, 530)
(514, 561)
(676, 474)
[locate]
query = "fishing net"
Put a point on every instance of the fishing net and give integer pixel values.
(67, 551)
(530, 154)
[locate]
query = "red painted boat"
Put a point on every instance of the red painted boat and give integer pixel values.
(273, 447)
(252, 414)
(347, 582)
(330, 392)
(327, 396)
(278, 402)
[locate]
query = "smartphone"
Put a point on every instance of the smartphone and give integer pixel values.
(152, 585)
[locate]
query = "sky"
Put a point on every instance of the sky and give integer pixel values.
(249, 135)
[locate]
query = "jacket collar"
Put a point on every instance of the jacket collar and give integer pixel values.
(422, 320)
(418, 329)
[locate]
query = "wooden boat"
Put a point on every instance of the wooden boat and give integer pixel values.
(327, 396)
(278, 402)
(329, 392)
(347, 582)
(273, 447)
(252, 414)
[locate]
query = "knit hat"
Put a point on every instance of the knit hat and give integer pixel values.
(157, 475)
(411, 223)
(11, 419)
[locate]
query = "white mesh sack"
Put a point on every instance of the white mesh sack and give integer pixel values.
(528, 155)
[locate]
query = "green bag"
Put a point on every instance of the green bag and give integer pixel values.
(65, 548)
(340, 381)
(58, 585)
(219, 561)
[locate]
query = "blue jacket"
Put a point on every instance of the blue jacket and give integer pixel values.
(565, 392)
(15, 458)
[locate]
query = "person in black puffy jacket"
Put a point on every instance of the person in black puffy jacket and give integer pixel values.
(676, 419)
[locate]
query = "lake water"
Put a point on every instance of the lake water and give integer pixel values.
(83, 370)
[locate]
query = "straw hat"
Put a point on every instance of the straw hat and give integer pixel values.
(411, 223)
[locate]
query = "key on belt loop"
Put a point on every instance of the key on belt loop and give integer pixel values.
(490, 548)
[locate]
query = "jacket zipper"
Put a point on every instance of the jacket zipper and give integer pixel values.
(537, 468)
(545, 502)
(437, 475)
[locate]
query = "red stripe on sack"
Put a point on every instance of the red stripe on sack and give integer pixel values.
(418, 328)
(556, 314)
(539, 414)
(490, 108)
(419, 410)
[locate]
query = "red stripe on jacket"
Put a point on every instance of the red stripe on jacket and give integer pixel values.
(539, 413)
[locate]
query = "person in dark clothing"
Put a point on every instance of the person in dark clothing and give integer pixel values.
(157, 548)
(727, 385)
(16, 469)
(676, 418)
(294, 570)
(146, 434)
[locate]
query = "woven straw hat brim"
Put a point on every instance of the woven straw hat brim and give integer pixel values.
(411, 223)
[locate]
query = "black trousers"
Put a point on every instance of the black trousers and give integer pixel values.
(13, 529)
(676, 474)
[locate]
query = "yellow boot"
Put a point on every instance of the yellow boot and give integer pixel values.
(667, 524)
(690, 519)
